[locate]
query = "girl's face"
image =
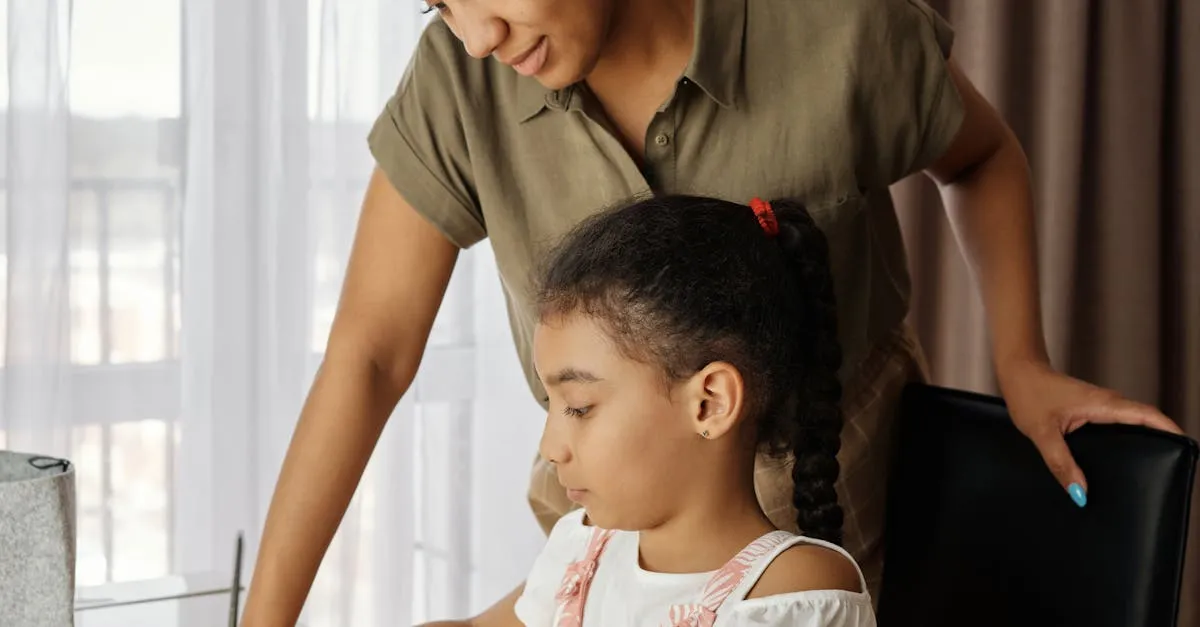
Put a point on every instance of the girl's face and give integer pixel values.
(625, 446)
(555, 41)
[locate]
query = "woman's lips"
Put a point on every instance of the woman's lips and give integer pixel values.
(530, 63)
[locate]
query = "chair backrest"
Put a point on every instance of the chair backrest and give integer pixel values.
(980, 533)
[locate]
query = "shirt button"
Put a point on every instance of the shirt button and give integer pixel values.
(662, 139)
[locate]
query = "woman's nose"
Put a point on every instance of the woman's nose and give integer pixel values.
(482, 35)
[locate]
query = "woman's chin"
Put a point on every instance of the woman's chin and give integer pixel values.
(559, 73)
(554, 81)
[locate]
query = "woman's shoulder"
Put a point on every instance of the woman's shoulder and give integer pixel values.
(858, 31)
(866, 24)
(864, 46)
(887, 96)
(844, 10)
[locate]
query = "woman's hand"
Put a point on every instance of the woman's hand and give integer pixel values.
(1046, 405)
(984, 181)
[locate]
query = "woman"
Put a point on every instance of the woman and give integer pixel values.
(517, 118)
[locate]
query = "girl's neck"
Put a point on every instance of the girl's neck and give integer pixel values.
(646, 36)
(708, 532)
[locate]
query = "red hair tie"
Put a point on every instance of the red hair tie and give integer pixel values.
(766, 216)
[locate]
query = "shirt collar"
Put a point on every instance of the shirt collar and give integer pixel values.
(532, 97)
(715, 66)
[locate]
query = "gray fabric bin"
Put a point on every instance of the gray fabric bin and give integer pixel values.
(37, 541)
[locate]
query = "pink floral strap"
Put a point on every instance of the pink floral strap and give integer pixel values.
(724, 582)
(572, 593)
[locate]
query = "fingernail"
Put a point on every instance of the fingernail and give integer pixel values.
(1077, 494)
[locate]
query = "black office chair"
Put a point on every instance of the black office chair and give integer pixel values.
(980, 534)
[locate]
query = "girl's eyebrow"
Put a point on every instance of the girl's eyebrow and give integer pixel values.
(569, 375)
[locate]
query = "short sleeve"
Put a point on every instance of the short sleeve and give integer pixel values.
(567, 542)
(912, 108)
(419, 141)
(819, 608)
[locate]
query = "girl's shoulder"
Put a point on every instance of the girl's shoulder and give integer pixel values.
(803, 582)
(806, 566)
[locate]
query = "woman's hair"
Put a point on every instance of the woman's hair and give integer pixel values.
(681, 282)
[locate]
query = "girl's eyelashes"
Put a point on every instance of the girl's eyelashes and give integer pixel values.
(576, 412)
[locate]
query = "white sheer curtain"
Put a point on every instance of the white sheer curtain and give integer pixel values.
(181, 184)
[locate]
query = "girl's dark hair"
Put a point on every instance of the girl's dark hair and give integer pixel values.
(681, 282)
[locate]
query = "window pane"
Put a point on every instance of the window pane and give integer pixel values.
(139, 304)
(125, 66)
(440, 562)
(91, 566)
(84, 230)
(141, 521)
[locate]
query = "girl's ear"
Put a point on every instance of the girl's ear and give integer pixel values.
(715, 396)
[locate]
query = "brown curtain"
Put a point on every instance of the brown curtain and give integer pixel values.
(1105, 97)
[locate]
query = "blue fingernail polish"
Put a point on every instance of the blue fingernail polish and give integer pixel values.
(1077, 494)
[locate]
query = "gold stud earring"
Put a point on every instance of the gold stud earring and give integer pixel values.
(704, 434)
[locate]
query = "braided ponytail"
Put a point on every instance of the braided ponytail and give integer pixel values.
(816, 435)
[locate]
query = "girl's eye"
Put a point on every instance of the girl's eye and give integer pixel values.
(440, 7)
(576, 412)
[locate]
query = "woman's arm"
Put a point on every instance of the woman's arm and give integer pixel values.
(398, 272)
(985, 185)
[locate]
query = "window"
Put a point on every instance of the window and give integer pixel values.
(125, 247)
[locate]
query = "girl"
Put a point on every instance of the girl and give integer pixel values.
(677, 338)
